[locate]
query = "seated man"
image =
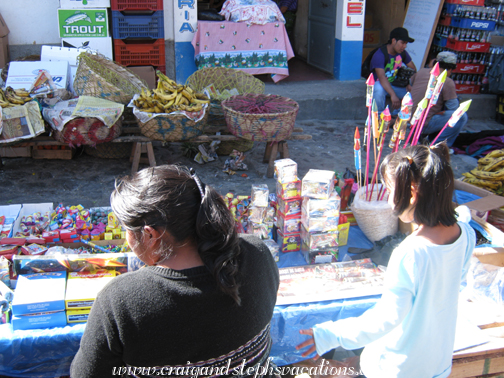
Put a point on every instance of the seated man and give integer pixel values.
(447, 102)
(385, 68)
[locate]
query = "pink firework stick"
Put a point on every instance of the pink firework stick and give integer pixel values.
(435, 95)
(464, 107)
(416, 116)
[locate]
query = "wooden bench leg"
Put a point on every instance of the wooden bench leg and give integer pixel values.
(136, 157)
(267, 152)
(271, 161)
(284, 150)
(150, 154)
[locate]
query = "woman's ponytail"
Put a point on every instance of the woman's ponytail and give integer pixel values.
(218, 242)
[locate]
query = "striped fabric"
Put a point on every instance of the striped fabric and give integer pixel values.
(242, 362)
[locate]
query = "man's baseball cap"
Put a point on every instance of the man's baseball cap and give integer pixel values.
(447, 57)
(400, 34)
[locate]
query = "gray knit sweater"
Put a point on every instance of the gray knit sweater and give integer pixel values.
(166, 318)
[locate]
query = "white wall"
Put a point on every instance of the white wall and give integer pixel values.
(31, 21)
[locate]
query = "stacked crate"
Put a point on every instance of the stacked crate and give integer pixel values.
(138, 33)
(464, 28)
(85, 24)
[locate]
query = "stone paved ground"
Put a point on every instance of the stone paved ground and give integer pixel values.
(89, 180)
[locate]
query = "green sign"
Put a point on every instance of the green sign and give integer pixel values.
(82, 23)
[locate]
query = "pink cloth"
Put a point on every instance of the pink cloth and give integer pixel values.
(255, 49)
(254, 12)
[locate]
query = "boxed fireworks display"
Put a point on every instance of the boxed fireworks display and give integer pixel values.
(39, 301)
(83, 287)
(319, 217)
(317, 184)
(260, 214)
(288, 191)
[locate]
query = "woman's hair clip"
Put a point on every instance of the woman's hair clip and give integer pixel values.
(410, 159)
(198, 182)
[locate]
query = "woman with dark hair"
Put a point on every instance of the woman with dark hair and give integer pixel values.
(410, 332)
(203, 303)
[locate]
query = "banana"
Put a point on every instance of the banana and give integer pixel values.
(178, 98)
(187, 95)
(482, 183)
(14, 99)
(490, 157)
(4, 104)
(169, 104)
(494, 164)
(492, 176)
(165, 97)
(22, 92)
(194, 108)
(198, 101)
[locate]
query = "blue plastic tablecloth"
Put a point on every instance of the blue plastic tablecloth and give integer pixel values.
(49, 352)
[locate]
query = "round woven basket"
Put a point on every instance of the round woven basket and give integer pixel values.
(98, 76)
(223, 78)
(87, 131)
(274, 123)
(173, 128)
(109, 150)
(375, 218)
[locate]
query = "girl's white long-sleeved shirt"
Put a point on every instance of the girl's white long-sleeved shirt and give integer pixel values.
(410, 332)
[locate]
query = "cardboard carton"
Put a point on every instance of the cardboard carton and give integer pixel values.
(146, 73)
(4, 43)
(39, 292)
(83, 287)
(482, 206)
(22, 74)
(83, 23)
(40, 320)
(85, 4)
(78, 316)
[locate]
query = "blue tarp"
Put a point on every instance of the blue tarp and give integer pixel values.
(49, 352)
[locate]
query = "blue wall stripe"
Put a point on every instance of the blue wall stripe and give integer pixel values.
(184, 61)
(347, 59)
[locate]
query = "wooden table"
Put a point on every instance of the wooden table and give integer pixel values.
(255, 49)
(144, 144)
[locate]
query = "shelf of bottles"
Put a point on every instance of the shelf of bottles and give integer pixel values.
(465, 29)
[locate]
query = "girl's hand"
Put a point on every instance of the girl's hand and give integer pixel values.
(310, 341)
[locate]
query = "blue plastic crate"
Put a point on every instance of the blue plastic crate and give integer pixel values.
(137, 25)
(468, 23)
(449, 9)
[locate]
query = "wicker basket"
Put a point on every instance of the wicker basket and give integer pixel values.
(223, 78)
(109, 150)
(173, 128)
(87, 131)
(98, 76)
(375, 218)
(276, 123)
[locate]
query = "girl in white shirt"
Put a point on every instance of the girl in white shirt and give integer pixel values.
(410, 332)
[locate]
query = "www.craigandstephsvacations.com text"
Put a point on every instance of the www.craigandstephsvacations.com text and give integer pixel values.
(322, 369)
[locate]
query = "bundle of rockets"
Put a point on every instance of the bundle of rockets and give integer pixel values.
(376, 127)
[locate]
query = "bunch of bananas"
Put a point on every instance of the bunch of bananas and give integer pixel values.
(169, 97)
(489, 174)
(13, 97)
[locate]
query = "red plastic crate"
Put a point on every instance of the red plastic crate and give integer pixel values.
(445, 20)
(478, 3)
(136, 5)
(140, 53)
(469, 68)
(468, 46)
(467, 88)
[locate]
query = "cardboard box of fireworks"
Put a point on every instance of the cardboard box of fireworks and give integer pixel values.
(41, 302)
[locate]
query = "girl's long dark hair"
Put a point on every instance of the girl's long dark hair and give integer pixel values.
(168, 198)
(428, 168)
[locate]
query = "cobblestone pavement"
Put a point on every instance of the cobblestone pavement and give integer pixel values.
(89, 180)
